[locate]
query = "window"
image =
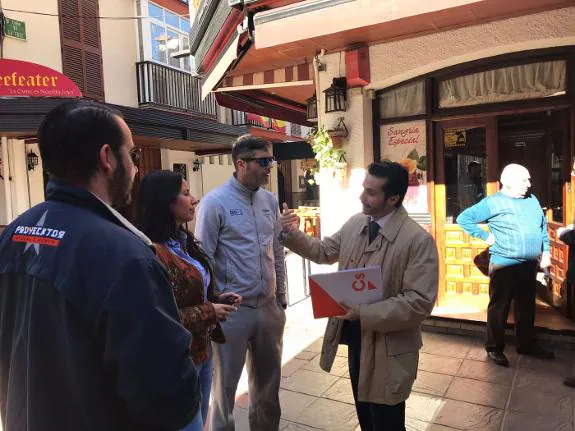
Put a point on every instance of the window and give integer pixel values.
(169, 34)
(526, 81)
(404, 101)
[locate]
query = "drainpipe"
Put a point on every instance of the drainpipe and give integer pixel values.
(316, 69)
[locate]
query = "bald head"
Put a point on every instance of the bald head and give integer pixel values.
(515, 180)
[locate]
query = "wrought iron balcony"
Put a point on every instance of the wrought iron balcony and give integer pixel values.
(159, 85)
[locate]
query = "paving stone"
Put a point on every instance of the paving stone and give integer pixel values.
(340, 391)
(297, 427)
(457, 388)
(445, 345)
(309, 382)
(477, 392)
(339, 368)
(292, 366)
(432, 383)
(547, 381)
(330, 415)
(315, 346)
(467, 416)
(342, 350)
(306, 355)
(541, 404)
(439, 364)
(477, 353)
(558, 366)
(293, 404)
(242, 420)
(486, 371)
(422, 407)
(416, 425)
(515, 421)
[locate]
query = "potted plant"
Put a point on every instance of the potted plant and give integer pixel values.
(326, 154)
(338, 134)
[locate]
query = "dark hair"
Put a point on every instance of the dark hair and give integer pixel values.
(156, 192)
(71, 136)
(246, 146)
(472, 164)
(396, 176)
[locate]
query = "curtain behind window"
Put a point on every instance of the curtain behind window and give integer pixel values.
(527, 81)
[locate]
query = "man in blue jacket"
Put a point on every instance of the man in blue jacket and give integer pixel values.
(89, 331)
(518, 242)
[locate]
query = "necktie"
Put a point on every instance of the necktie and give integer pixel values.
(373, 230)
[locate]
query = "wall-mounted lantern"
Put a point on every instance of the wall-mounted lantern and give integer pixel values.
(32, 160)
(312, 109)
(336, 96)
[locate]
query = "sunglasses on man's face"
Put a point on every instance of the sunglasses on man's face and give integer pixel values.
(136, 155)
(263, 161)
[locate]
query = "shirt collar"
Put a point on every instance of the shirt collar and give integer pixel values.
(124, 222)
(382, 221)
(235, 183)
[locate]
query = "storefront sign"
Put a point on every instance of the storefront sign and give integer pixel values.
(405, 143)
(14, 28)
(266, 122)
(455, 138)
(23, 79)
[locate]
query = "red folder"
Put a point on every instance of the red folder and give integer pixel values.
(351, 286)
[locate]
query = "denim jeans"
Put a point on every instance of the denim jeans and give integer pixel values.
(205, 375)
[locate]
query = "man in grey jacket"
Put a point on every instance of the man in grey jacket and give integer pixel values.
(238, 227)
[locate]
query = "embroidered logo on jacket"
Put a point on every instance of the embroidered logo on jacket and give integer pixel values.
(35, 236)
(236, 212)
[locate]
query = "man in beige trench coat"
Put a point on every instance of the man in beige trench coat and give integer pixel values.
(384, 337)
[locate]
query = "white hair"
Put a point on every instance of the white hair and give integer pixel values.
(513, 173)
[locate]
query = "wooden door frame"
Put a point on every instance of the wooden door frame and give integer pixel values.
(439, 215)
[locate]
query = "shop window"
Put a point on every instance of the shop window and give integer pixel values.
(465, 169)
(526, 81)
(169, 34)
(405, 101)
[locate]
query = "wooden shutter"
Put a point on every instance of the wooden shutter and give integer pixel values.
(150, 161)
(81, 46)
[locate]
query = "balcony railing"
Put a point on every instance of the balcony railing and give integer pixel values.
(238, 118)
(166, 87)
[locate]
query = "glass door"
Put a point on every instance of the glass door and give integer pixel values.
(465, 172)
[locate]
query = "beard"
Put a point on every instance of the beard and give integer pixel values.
(120, 186)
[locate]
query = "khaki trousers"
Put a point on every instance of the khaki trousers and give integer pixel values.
(259, 333)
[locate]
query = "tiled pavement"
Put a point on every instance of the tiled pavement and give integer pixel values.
(456, 387)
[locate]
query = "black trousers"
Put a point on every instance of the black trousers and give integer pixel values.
(372, 416)
(517, 283)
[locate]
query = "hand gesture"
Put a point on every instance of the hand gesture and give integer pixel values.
(351, 313)
(545, 261)
(490, 240)
(223, 310)
(230, 298)
(288, 219)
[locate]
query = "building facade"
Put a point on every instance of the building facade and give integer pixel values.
(120, 52)
(453, 91)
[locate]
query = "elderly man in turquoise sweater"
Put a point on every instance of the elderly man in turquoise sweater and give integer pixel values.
(518, 243)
